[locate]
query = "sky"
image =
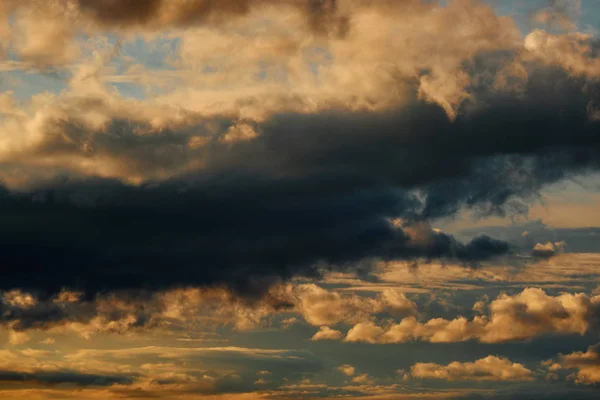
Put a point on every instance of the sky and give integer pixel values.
(299, 199)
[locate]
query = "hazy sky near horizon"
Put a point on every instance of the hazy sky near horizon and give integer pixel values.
(299, 199)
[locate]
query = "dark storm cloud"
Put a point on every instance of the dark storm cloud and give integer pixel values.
(237, 232)
(509, 146)
(63, 377)
(310, 190)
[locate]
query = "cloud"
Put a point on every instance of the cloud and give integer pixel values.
(547, 250)
(326, 333)
(256, 180)
(586, 364)
(346, 369)
(490, 368)
(63, 377)
(125, 313)
(189, 237)
(520, 317)
(288, 363)
(322, 307)
(38, 367)
(161, 14)
(560, 14)
(128, 312)
(571, 51)
(52, 40)
(175, 352)
(363, 379)
(154, 371)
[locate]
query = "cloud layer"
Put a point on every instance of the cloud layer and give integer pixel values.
(490, 368)
(520, 317)
(267, 178)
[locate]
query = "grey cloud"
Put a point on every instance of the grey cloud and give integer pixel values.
(310, 192)
(547, 250)
(64, 377)
(239, 232)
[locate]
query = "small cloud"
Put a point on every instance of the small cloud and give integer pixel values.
(403, 375)
(197, 142)
(346, 369)
(363, 379)
(286, 323)
(239, 132)
(490, 368)
(16, 298)
(481, 305)
(547, 250)
(48, 341)
(326, 333)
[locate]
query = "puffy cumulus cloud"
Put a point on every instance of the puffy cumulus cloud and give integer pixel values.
(347, 369)
(547, 250)
(326, 333)
(319, 306)
(533, 312)
(490, 368)
(519, 317)
(585, 363)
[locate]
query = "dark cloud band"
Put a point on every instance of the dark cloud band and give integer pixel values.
(310, 191)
